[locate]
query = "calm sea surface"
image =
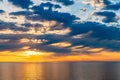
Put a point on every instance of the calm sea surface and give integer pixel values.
(60, 71)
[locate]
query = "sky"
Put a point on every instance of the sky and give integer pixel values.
(59, 30)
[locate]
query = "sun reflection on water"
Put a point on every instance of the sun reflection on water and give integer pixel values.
(33, 72)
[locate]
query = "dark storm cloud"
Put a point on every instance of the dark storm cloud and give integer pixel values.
(109, 16)
(49, 14)
(21, 3)
(113, 6)
(11, 26)
(2, 11)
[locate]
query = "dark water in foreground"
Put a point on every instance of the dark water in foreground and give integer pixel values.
(60, 71)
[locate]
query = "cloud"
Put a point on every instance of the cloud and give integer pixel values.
(13, 43)
(47, 11)
(113, 45)
(97, 3)
(105, 8)
(21, 3)
(106, 2)
(96, 30)
(50, 5)
(35, 26)
(87, 41)
(34, 17)
(16, 37)
(113, 7)
(97, 36)
(49, 48)
(24, 13)
(2, 11)
(27, 25)
(10, 47)
(49, 14)
(11, 26)
(86, 34)
(52, 38)
(102, 36)
(109, 16)
(65, 2)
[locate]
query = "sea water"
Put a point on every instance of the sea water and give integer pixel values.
(60, 71)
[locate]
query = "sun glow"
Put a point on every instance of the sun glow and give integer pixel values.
(33, 53)
(40, 56)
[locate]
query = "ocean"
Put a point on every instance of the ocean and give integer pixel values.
(60, 71)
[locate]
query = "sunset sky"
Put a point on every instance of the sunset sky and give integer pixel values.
(59, 30)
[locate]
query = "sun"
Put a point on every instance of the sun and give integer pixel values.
(33, 53)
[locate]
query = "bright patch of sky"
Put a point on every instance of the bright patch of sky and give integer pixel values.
(8, 7)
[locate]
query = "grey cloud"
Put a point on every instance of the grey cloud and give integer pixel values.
(11, 26)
